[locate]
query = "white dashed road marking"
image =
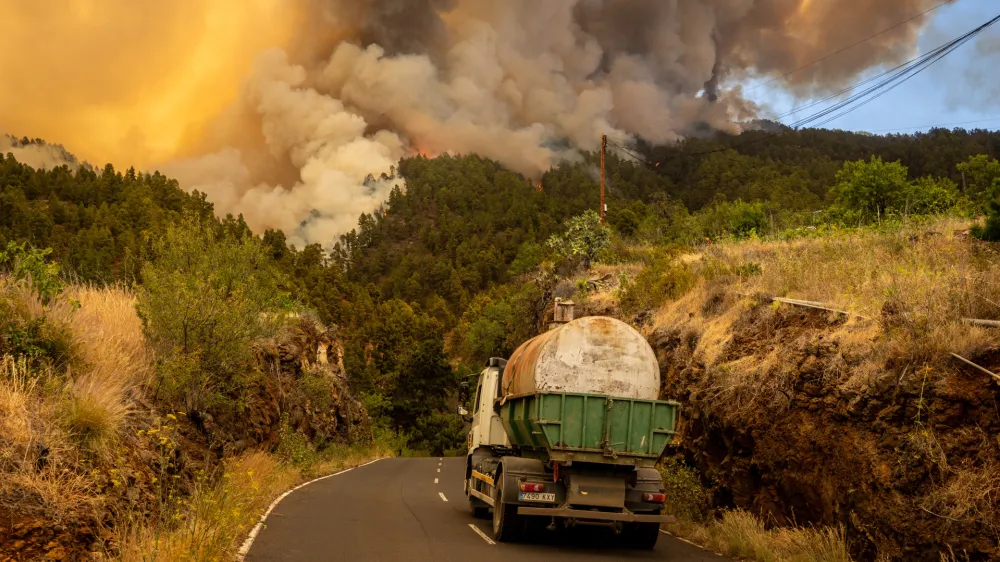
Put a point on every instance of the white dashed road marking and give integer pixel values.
(439, 470)
(481, 534)
(435, 480)
(442, 496)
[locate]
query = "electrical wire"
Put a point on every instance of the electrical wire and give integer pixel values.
(890, 80)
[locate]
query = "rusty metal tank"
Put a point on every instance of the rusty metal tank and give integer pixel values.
(590, 355)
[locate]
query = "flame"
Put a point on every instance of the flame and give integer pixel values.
(424, 151)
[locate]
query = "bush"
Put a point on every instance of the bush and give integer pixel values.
(991, 231)
(663, 280)
(31, 265)
(687, 499)
(584, 238)
(206, 296)
(738, 219)
(872, 188)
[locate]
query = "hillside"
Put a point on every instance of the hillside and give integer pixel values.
(859, 416)
(108, 451)
(462, 262)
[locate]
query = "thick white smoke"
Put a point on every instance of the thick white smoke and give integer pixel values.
(524, 82)
(37, 154)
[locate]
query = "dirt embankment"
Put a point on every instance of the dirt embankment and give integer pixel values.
(60, 502)
(805, 416)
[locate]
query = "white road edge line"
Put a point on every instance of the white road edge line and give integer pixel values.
(682, 539)
(479, 532)
(435, 480)
(245, 548)
(442, 496)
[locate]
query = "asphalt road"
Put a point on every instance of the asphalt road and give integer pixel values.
(414, 509)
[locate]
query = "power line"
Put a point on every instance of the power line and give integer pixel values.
(894, 81)
(890, 80)
(849, 47)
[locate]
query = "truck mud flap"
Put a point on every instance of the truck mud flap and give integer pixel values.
(627, 517)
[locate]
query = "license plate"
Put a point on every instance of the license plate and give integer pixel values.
(536, 497)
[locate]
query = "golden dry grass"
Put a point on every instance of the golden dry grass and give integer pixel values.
(215, 521)
(742, 535)
(55, 415)
(928, 276)
(907, 291)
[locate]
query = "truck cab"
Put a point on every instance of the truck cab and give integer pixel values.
(487, 428)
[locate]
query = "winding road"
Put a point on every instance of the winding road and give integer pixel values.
(414, 509)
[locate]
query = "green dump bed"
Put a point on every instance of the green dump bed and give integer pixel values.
(590, 427)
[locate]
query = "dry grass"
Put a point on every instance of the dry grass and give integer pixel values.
(907, 291)
(971, 495)
(36, 455)
(55, 415)
(215, 521)
(925, 278)
(742, 535)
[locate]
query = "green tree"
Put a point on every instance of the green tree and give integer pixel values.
(929, 195)
(991, 231)
(32, 265)
(206, 296)
(872, 188)
(980, 174)
(584, 238)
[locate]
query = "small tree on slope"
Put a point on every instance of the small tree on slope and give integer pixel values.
(990, 232)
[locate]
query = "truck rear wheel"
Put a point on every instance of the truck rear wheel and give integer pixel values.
(507, 525)
(641, 535)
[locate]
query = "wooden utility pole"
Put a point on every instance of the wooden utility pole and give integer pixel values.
(604, 148)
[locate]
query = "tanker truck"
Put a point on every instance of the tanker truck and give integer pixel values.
(567, 432)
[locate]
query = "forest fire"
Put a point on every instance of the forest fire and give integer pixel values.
(280, 110)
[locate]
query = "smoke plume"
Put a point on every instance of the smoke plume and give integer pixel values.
(282, 112)
(37, 154)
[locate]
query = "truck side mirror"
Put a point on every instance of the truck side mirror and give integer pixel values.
(462, 411)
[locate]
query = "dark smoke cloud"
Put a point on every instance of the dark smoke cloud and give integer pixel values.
(526, 82)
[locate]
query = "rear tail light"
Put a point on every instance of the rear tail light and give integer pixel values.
(654, 498)
(531, 487)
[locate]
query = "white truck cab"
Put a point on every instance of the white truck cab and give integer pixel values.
(487, 429)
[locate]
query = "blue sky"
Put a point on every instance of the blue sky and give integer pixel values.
(964, 86)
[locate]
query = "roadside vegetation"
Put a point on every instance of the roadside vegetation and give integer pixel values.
(135, 458)
(149, 348)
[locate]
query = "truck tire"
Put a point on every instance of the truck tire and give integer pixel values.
(507, 526)
(641, 535)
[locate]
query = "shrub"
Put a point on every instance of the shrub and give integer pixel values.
(871, 188)
(991, 231)
(206, 295)
(738, 219)
(584, 238)
(29, 264)
(686, 498)
(659, 282)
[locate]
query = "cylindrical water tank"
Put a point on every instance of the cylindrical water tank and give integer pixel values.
(590, 355)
